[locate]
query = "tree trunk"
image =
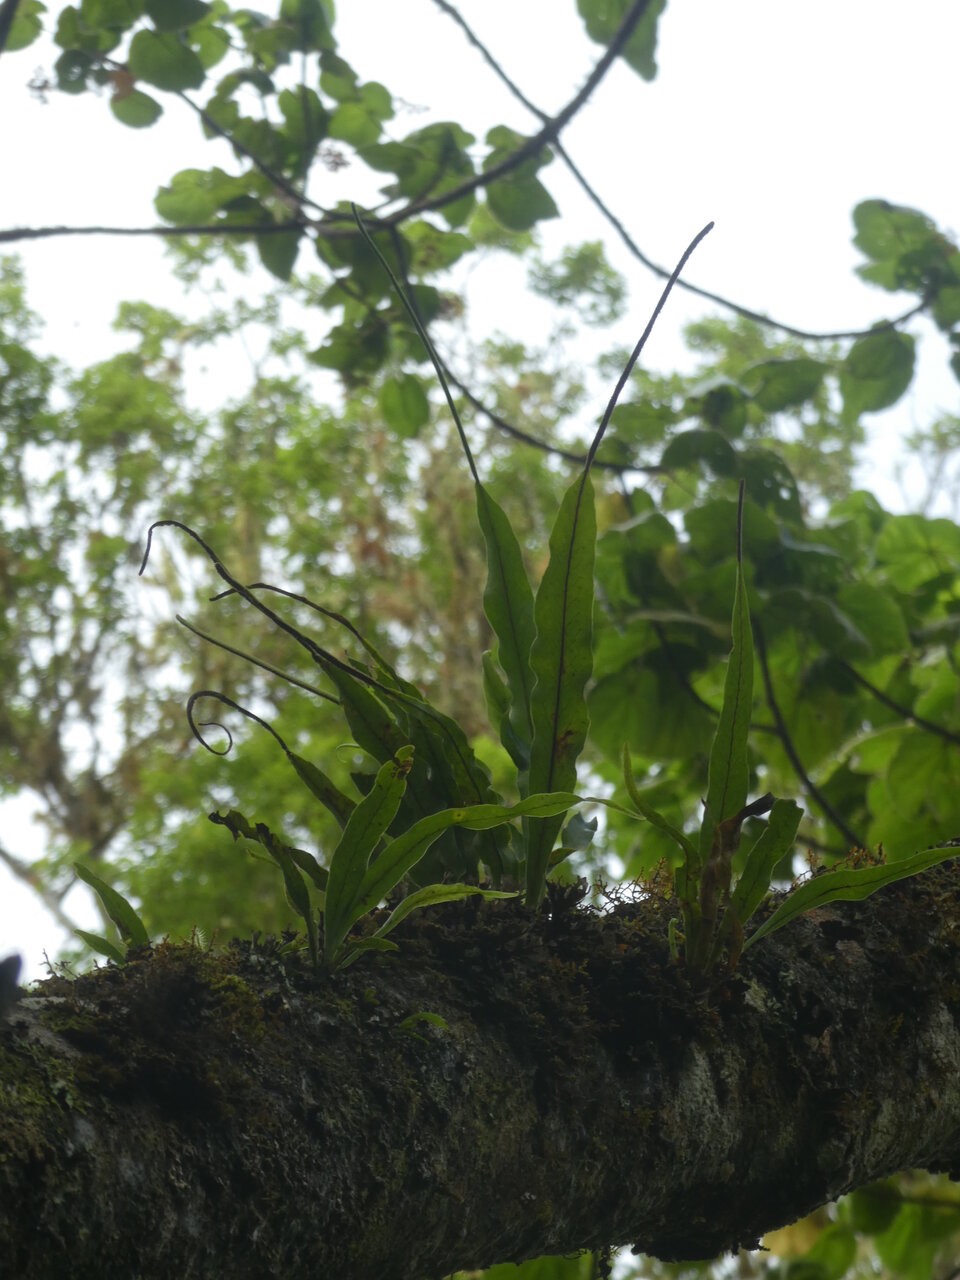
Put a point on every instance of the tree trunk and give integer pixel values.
(232, 1115)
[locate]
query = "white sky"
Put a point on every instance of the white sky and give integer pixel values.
(772, 119)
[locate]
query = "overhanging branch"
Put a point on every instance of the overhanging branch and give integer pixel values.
(199, 1115)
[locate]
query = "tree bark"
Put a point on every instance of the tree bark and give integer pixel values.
(194, 1114)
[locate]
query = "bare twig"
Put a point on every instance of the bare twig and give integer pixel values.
(900, 708)
(756, 316)
(809, 786)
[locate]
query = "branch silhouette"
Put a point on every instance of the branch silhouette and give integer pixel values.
(758, 317)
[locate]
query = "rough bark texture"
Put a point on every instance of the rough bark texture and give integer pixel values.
(198, 1115)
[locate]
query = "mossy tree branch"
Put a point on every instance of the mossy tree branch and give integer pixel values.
(197, 1115)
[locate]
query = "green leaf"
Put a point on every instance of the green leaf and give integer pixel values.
(354, 123)
(651, 815)
(278, 252)
(406, 850)
(519, 204)
(847, 884)
(562, 661)
(780, 384)
(196, 195)
(310, 21)
(404, 405)
(774, 842)
(329, 795)
(356, 949)
(431, 894)
(103, 946)
(886, 230)
(833, 1253)
(876, 372)
(508, 604)
(135, 109)
(162, 60)
(602, 19)
(175, 15)
(364, 830)
(700, 445)
(119, 910)
(26, 27)
(729, 773)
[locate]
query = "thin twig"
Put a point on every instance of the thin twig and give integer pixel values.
(591, 193)
(11, 234)
(809, 786)
(901, 710)
(337, 226)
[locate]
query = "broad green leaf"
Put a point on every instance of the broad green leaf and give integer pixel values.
(26, 26)
(833, 1253)
(431, 894)
(175, 15)
(406, 850)
(119, 910)
(780, 384)
(602, 19)
(847, 884)
(729, 773)
(352, 122)
(195, 195)
(135, 109)
(519, 204)
(886, 232)
(876, 372)
(103, 946)
(876, 615)
(719, 403)
(310, 22)
(278, 252)
(700, 446)
(364, 830)
(508, 604)
(774, 841)
(404, 405)
(561, 660)
(163, 61)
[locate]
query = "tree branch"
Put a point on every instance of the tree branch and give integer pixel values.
(336, 226)
(232, 1114)
(756, 316)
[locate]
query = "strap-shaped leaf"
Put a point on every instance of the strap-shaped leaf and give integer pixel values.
(648, 813)
(323, 788)
(431, 894)
(772, 844)
(562, 661)
(364, 829)
(729, 775)
(849, 884)
(508, 604)
(406, 850)
(132, 929)
(103, 946)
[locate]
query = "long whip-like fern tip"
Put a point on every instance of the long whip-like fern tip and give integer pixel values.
(635, 354)
(424, 338)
